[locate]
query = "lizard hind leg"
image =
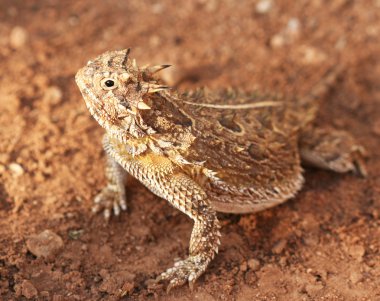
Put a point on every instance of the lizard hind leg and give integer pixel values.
(331, 149)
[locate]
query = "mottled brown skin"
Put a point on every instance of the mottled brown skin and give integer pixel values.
(205, 151)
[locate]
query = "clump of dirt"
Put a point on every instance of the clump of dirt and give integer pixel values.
(322, 245)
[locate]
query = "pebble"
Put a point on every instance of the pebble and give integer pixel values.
(264, 6)
(28, 290)
(279, 246)
(287, 35)
(53, 95)
(18, 37)
(293, 27)
(312, 56)
(254, 264)
(16, 169)
(356, 252)
(277, 41)
(356, 277)
(45, 244)
(243, 266)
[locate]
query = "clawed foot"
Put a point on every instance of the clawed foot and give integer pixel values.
(109, 199)
(358, 157)
(185, 270)
(352, 160)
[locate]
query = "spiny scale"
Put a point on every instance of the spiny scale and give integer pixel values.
(155, 69)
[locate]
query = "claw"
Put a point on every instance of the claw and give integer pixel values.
(360, 168)
(95, 208)
(123, 205)
(110, 201)
(192, 279)
(107, 214)
(116, 209)
(174, 283)
(183, 271)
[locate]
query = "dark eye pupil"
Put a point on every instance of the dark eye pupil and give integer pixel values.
(109, 83)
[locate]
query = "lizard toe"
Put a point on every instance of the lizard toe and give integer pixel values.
(188, 270)
(109, 201)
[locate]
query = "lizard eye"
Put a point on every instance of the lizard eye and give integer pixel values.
(108, 84)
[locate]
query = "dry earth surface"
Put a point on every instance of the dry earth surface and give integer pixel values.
(322, 245)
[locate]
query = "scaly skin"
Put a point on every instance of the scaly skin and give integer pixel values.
(205, 151)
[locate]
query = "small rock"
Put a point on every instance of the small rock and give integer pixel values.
(277, 41)
(16, 169)
(264, 6)
(18, 37)
(288, 35)
(75, 234)
(254, 264)
(28, 290)
(283, 262)
(312, 56)
(356, 252)
(279, 246)
(45, 244)
(293, 27)
(356, 277)
(53, 95)
(243, 266)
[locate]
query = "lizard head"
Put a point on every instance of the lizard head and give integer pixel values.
(115, 90)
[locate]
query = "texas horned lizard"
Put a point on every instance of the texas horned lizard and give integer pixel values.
(205, 151)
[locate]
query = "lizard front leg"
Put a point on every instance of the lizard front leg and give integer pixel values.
(112, 196)
(168, 181)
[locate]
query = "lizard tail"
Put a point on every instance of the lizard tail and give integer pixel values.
(312, 99)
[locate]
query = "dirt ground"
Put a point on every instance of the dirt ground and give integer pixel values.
(322, 245)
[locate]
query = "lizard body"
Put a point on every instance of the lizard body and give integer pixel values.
(205, 151)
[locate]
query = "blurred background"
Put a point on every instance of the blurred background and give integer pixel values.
(323, 245)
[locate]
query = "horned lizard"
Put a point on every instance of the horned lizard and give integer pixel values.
(205, 151)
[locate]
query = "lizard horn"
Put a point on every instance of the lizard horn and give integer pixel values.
(127, 52)
(152, 88)
(157, 68)
(134, 64)
(143, 106)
